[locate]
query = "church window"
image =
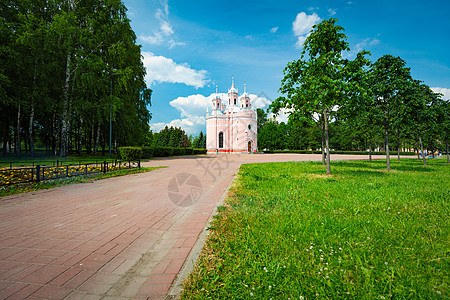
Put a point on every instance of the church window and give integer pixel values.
(234, 101)
(249, 126)
(221, 140)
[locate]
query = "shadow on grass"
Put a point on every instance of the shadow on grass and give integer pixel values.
(363, 173)
(404, 165)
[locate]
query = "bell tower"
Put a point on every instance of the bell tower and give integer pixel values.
(216, 101)
(232, 94)
(245, 99)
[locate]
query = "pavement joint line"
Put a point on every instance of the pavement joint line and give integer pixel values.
(191, 260)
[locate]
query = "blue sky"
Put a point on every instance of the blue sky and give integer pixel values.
(189, 47)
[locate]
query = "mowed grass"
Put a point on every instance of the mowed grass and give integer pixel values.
(290, 231)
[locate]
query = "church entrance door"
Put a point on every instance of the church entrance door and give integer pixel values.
(250, 146)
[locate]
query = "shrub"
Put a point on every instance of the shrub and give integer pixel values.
(130, 153)
(199, 151)
(392, 153)
(147, 152)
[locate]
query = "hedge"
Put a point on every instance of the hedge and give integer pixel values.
(130, 153)
(149, 152)
(392, 153)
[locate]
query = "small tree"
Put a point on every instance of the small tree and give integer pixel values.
(444, 123)
(389, 78)
(317, 84)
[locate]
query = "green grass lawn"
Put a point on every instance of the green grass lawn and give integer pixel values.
(290, 231)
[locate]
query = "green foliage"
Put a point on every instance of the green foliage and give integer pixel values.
(199, 151)
(272, 135)
(290, 231)
(339, 152)
(321, 79)
(130, 153)
(171, 137)
(150, 152)
(73, 64)
(200, 141)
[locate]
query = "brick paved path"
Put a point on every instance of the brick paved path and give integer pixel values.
(118, 238)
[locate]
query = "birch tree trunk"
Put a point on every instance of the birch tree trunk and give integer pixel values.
(97, 138)
(65, 114)
(54, 135)
(93, 135)
(80, 141)
(18, 140)
(30, 128)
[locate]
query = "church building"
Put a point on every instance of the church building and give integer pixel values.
(231, 126)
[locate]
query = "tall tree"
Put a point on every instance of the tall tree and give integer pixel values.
(75, 66)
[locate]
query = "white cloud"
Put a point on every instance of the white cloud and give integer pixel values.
(302, 26)
(192, 125)
(444, 91)
(332, 11)
(363, 45)
(157, 127)
(193, 112)
(165, 31)
(259, 101)
(273, 30)
(162, 69)
(374, 42)
(282, 116)
(192, 105)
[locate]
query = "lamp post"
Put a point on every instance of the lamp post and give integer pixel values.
(110, 118)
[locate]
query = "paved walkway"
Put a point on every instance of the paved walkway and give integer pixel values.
(119, 238)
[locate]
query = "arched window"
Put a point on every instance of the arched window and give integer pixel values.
(217, 104)
(221, 140)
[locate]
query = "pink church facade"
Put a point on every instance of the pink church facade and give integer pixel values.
(231, 125)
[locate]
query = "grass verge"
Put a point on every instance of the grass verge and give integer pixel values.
(43, 185)
(290, 231)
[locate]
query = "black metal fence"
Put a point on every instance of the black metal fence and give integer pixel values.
(39, 173)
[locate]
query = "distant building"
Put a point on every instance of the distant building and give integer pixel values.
(231, 126)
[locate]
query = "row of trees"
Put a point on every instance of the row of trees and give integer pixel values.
(303, 135)
(322, 86)
(69, 71)
(175, 137)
